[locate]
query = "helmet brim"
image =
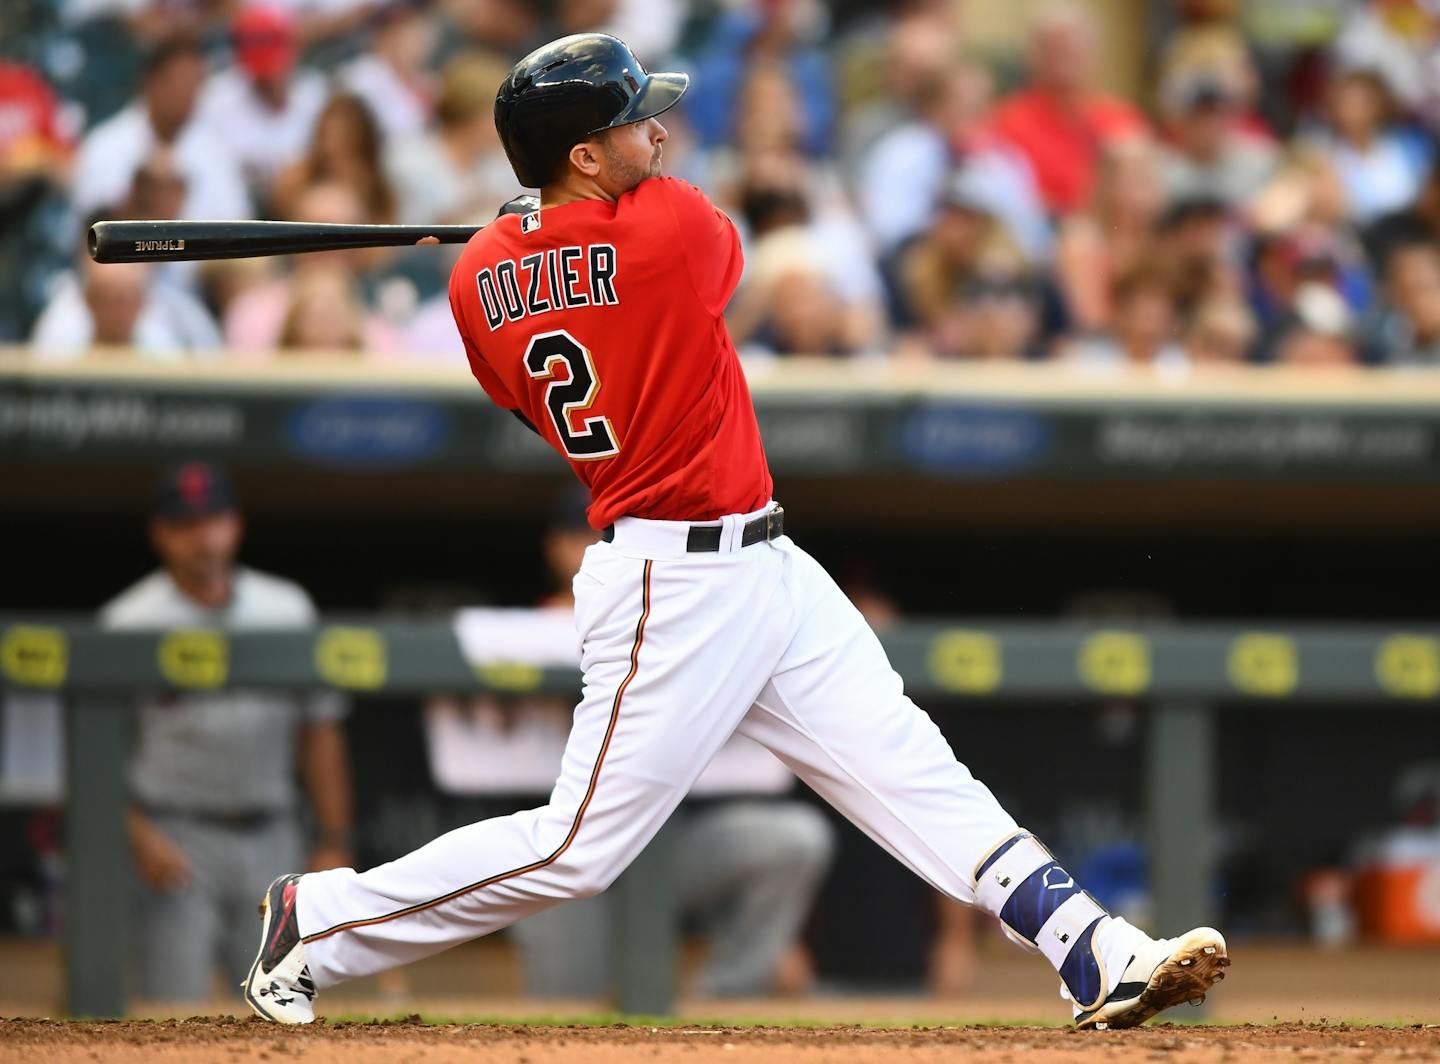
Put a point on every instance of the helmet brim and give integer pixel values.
(659, 93)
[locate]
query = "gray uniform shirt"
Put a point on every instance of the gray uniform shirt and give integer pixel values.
(226, 752)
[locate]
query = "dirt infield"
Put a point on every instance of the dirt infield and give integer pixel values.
(236, 1041)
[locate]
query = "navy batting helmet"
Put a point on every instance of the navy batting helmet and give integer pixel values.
(569, 90)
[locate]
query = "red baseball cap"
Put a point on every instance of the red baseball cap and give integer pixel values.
(266, 44)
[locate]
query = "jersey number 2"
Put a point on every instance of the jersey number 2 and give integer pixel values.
(595, 437)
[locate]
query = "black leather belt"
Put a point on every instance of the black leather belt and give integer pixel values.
(707, 537)
(236, 820)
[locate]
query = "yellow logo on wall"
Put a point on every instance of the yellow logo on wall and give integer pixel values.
(966, 661)
(34, 656)
(510, 675)
(1115, 663)
(194, 657)
(351, 657)
(1408, 666)
(1263, 664)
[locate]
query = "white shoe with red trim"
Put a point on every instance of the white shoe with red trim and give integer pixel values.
(279, 986)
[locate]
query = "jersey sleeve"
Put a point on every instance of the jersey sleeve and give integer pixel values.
(708, 241)
(461, 305)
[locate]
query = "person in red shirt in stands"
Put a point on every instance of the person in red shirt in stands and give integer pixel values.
(33, 137)
(35, 151)
(1058, 119)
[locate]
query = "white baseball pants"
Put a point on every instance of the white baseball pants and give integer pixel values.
(679, 650)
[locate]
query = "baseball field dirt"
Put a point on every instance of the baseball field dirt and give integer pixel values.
(236, 1041)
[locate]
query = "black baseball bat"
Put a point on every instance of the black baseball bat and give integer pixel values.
(174, 240)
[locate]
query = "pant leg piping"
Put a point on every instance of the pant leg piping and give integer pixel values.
(351, 925)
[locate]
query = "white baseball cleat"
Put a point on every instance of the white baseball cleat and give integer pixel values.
(279, 986)
(1161, 973)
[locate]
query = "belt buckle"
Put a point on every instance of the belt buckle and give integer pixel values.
(772, 522)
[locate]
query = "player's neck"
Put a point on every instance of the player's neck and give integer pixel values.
(571, 189)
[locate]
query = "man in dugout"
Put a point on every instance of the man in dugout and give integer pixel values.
(215, 806)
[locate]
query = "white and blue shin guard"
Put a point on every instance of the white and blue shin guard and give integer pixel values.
(1042, 908)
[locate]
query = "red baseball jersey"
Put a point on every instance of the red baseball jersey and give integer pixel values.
(602, 323)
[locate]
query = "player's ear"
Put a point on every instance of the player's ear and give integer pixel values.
(585, 157)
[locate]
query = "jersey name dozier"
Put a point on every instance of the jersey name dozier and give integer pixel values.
(558, 279)
(159, 245)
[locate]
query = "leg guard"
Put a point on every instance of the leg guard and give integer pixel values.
(1041, 907)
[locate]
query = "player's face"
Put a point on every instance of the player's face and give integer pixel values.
(199, 551)
(631, 153)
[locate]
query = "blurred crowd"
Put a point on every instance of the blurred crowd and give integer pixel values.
(1268, 192)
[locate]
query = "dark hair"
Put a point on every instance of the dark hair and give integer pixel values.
(1139, 281)
(378, 197)
(1411, 244)
(1190, 208)
(167, 50)
(766, 205)
(364, 118)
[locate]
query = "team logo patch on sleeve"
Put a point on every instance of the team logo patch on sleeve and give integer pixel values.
(530, 222)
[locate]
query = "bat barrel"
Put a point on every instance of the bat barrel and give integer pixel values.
(172, 240)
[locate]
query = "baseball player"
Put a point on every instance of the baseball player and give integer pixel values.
(596, 319)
